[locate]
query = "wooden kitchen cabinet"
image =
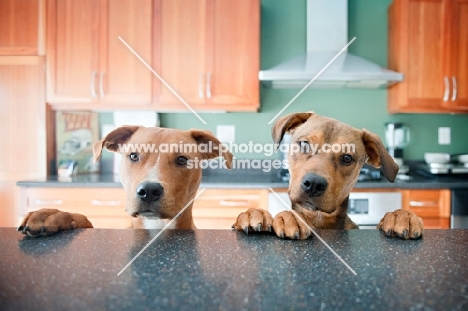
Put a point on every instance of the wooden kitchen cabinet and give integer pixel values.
(88, 66)
(459, 55)
(433, 206)
(104, 207)
(23, 132)
(219, 208)
(428, 43)
(208, 52)
(22, 27)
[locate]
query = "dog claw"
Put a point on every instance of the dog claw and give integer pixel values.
(389, 232)
(246, 230)
(269, 228)
(259, 227)
(405, 233)
(282, 234)
(20, 228)
(297, 235)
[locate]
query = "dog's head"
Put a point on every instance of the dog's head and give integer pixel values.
(325, 158)
(160, 168)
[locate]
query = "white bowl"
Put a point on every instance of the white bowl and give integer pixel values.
(439, 158)
(462, 158)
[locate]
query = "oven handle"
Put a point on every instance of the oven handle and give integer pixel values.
(105, 202)
(234, 203)
(423, 203)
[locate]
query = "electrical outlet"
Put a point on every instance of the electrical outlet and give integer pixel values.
(444, 135)
(226, 133)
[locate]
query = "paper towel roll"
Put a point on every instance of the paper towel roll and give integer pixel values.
(144, 118)
(125, 117)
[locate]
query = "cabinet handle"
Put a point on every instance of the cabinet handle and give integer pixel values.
(48, 202)
(233, 203)
(447, 87)
(101, 88)
(423, 203)
(92, 84)
(208, 85)
(454, 92)
(105, 202)
(200, 85)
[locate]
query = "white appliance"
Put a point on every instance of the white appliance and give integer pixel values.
(459, 210)
(366, 209)
(327, 34)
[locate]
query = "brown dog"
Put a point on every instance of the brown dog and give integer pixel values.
(159, 181)
(321, 181)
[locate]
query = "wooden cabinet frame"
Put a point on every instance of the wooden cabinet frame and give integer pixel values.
(23, 133)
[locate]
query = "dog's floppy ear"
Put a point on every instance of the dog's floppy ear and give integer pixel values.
(113, 139)
(378, 155)
(205, 137)
(288, 123)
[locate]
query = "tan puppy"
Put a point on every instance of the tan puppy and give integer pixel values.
(159, 181)
(321, 181)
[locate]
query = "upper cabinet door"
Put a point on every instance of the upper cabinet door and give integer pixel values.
(209, 54)
(181, 60)
(418, 47)
(428, 43)
(459, 55)
(22, 27)
(88, 66)
(233, 60)
(122, 77)
(72, 51)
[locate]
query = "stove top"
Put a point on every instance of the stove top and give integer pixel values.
(448, 168)
(367, 173)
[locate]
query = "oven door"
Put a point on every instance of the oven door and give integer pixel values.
(459, 214)
(364, 208)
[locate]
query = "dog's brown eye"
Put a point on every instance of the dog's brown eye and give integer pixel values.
(134, 157)
(182, 161)
(304, 146)
(346, 159)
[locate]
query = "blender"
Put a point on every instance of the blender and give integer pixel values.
(397, 138)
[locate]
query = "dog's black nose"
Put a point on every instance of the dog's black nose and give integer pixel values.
(314, 185)
(149, 191)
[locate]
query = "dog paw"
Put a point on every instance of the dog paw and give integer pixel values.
(290, 225)
(402, 223)
(254, 219)
(49, 221)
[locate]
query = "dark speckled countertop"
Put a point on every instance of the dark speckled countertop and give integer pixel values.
(227, 270)
(251, 179)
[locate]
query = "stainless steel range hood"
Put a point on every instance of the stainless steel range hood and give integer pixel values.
(327, 34)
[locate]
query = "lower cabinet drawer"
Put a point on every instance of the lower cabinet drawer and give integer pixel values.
(433, 206)
(104, 207)
(219, 208)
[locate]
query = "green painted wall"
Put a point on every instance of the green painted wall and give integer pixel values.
(283, 37)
